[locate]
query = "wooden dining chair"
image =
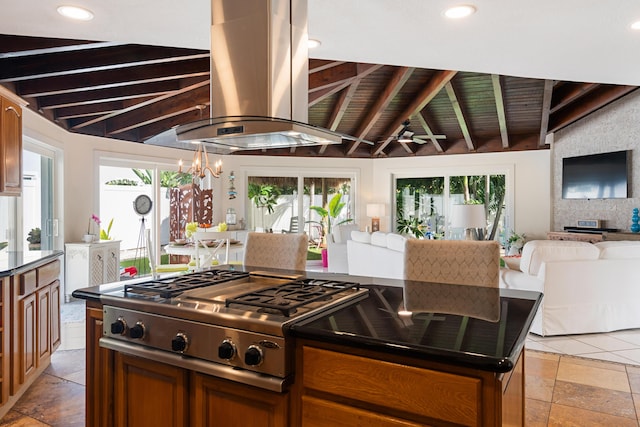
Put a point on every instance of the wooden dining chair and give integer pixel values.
(272, 250)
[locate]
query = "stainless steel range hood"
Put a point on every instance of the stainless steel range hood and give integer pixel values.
(259, 81)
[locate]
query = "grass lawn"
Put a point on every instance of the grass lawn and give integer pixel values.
(313, 253)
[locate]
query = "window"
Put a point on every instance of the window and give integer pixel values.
(281, 203)
(121, 181)
(424, 204)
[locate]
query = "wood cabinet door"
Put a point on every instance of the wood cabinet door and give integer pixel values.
(99, 392)
(5, 338)
(43, 321)
(96, 259)
(10, 148)
(224, 403)
(55, 315)
(25, 348)
(150, 394)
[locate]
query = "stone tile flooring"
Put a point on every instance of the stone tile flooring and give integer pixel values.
(582, 380)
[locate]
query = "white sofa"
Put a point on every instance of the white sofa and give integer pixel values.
(337, 247)
(587, 287)
(377, 255)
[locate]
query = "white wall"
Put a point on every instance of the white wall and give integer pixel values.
(373, 177)
(612, 128)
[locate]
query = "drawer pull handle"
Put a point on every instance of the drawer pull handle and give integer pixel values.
(12, 108)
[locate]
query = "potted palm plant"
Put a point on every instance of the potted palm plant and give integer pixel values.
(328, 217)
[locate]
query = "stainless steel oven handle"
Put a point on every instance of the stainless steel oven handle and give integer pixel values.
(210, 368)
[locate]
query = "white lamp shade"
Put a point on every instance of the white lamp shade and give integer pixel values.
(375, 210)
(468, 216)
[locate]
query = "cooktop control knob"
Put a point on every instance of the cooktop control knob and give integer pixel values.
(180, 342)
(119, 327)
(137, 331)
(253, 356)
(226, 350)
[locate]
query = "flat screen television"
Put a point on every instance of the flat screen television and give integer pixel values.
(596, 176)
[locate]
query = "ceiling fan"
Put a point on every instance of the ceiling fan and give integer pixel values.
(405, 135)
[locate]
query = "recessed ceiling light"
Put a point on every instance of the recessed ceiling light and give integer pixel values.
(460, 11)
(313, 43)
(635, 25)
(75, 12)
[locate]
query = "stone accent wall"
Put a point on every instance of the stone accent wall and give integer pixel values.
(615, 127)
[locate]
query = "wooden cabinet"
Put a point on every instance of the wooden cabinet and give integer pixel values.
(90, 264)
(5, 339)
(99, 389)
(36, 332)
(126, 390)
(221, 403)
(10, 147)
(369, 389)
(148, 393)
(29, 327)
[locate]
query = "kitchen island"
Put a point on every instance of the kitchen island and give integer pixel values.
(456, 359)
(30, 319)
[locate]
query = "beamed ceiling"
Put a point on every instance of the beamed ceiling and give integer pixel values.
(133, 92)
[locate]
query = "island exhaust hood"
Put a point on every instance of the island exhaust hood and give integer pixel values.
(259, 81)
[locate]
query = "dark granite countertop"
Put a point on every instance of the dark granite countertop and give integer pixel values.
(478, 327)
(13, 262)
(483, 328)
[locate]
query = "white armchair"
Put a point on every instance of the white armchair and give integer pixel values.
(337, 247)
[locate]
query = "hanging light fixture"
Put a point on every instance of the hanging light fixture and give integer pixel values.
(200, 163)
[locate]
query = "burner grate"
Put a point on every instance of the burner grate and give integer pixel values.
(174, 286)
(287, 298)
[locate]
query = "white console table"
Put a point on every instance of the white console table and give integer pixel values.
(90, 264)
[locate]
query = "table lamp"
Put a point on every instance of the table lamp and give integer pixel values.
(375, 211)
(468, 217)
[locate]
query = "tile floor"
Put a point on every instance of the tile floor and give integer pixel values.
(581, 380)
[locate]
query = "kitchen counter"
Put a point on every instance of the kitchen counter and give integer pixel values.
(457, 358)
(14, 261)
(479, 327)
(475, 327)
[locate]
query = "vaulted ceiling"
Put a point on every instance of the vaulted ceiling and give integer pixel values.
(133, 92)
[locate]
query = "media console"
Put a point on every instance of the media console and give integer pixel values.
(591, 235)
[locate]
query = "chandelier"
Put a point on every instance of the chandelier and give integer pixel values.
(200, 163)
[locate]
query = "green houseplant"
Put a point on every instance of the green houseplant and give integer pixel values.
(329, 214)
(34, 239)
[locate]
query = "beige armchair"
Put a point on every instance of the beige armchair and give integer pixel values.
(282, 251)
(461, 262)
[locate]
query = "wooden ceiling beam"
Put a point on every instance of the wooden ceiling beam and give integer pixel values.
(79, 62)
(428, 92)
(498, 95)
(321, 95)
(598, 99)
(152, 129)
(399, 78)
(86, 110)
(346, 95)
(114, 94)
(547, 96)
(331, 76)
(110, 79)
(568, 92)
(427, 130)
(12, 46)
(316, 65)
(346, 72)
(203, 86)
(462, 122)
